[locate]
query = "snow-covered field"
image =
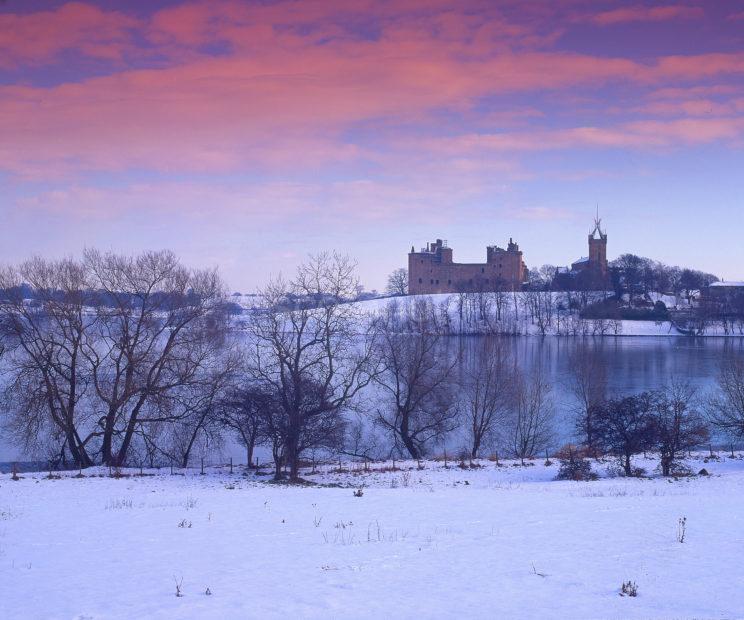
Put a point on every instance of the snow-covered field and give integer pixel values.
(492, 542)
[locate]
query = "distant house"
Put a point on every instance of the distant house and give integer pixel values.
(726, 289)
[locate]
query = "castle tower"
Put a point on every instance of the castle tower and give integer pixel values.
(598, 249)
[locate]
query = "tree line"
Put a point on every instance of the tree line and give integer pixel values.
(123, 360)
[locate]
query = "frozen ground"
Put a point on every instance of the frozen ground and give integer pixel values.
(493, 542)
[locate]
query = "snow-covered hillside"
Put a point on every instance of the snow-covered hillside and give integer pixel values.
(491, 542)
(517, 316)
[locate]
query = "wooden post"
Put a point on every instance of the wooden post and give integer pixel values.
(202, 466)
(231, 471)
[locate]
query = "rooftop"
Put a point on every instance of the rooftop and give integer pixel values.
(729, 284)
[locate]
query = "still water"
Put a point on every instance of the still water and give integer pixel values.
(633, 364)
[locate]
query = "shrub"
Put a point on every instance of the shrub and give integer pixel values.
(629, 588)
(571, 450)
(611, 309)
(575, 468)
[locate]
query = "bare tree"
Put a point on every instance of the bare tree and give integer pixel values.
(532, 415)
(195, 408)
(726, 406)
(418, 404)
(309, 354)
(361, 439)
(159, 325)
(625, 426)
(678, 423)
(248, 412)
(397, 283)
(488, 393)
(48, 378)
(587, 383)
(543, 310)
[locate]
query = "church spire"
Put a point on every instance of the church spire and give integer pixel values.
(598, 225)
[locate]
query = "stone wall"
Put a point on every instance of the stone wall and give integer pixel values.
(432, 270)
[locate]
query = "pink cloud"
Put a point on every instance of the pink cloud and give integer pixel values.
(645, 14)
(693, 107)
(648, 134)
(293, 85)
(37, 38)
(695, 92)
(279, 108)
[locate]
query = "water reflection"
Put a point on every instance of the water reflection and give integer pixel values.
(634, 364)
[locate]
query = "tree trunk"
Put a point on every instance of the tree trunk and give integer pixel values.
(250, 444)
(277, 454)
(666, 465)
(291, 456)
(407, 440)
(477, 437)
(107, 444)
(78, 453)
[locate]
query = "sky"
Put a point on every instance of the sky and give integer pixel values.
(249, 134)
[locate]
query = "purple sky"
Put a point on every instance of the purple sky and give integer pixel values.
(248, 134)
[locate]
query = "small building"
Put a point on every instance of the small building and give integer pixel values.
(726, 289)
(432, 270)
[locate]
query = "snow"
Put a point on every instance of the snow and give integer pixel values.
(492, 542)
(627, 328)
(728, 284)
(523, 326)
